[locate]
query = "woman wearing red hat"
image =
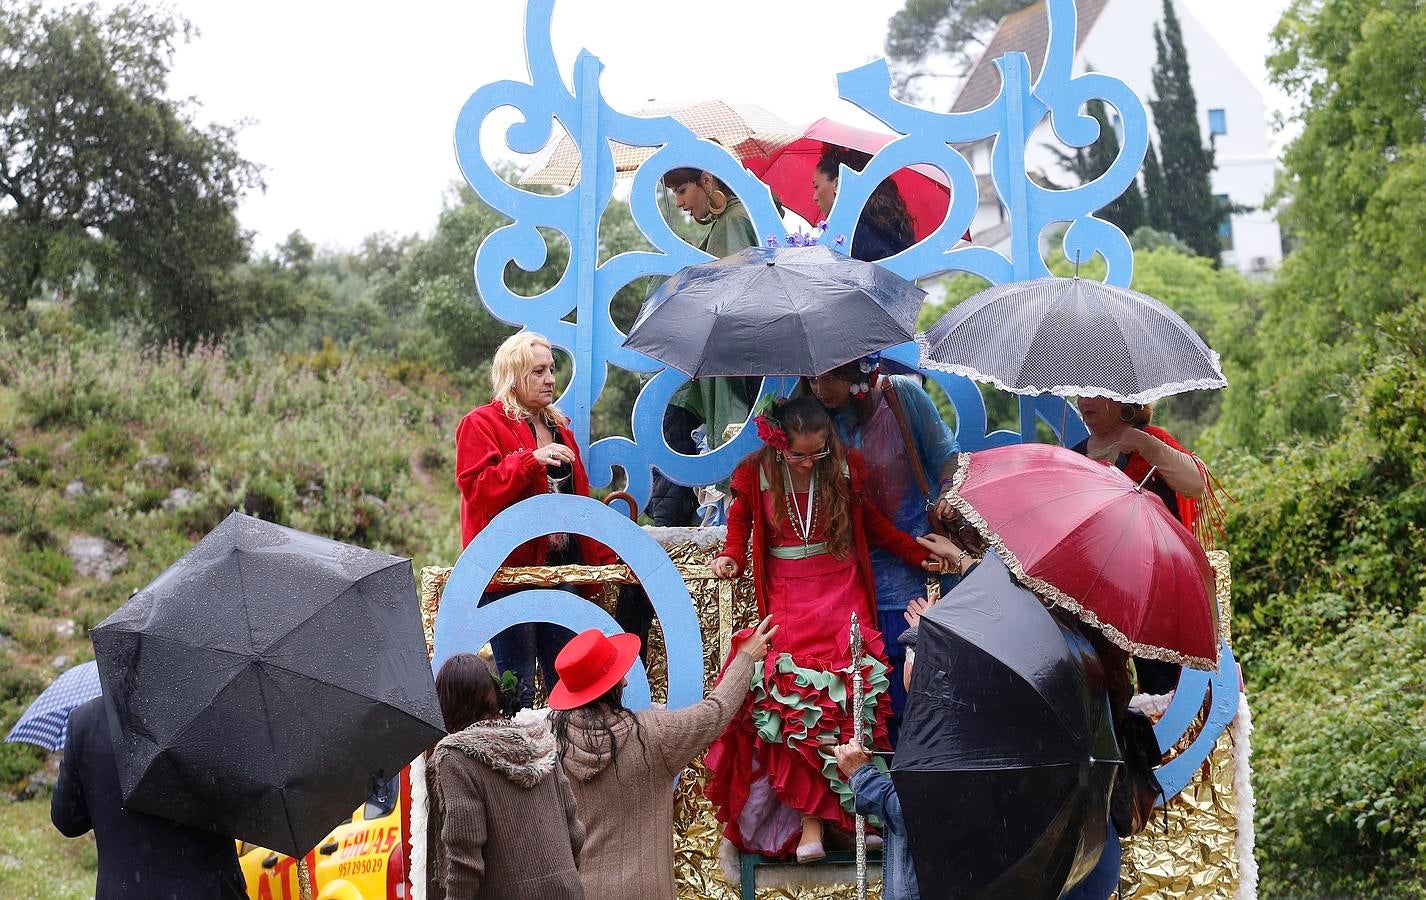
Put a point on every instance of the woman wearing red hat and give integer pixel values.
(622, 764)
(803, 502)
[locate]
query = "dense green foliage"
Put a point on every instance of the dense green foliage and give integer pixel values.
(1354, 193)
(111, 192)
(1329, 557)
(335, 443)
(1193, 212)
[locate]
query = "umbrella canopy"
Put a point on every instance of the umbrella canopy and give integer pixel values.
(1087, 538)
(43, 724)
(788, 171)
(744, 131)
(1007, 752)
(1073, 338)
(264, 684)
(775, 311)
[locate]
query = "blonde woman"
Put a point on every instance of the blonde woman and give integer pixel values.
(517, 446)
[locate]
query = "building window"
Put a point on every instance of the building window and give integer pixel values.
(1217, 122)
(1225, 226)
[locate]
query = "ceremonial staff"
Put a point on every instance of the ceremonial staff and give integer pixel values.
(858, 702)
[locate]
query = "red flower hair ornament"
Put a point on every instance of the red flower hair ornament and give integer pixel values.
(769, 428)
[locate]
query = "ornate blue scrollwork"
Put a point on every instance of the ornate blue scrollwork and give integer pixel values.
(462, 625)
(587, 287)
(575, 313)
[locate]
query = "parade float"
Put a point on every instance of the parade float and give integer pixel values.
(1201, 845)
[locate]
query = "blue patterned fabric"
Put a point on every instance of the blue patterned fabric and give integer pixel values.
(43, 724)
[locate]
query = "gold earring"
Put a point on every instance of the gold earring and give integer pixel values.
(717, 206)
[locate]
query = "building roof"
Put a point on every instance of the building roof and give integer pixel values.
(1029, 31)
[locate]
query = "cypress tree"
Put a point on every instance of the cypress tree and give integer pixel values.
(1187, 165)
(1155, 193)
(1126, 210)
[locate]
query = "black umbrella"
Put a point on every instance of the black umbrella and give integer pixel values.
(1007, 753)
(265, 683)
(775, 311)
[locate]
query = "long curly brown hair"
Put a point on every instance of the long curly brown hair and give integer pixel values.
(886, 208)
(803, 416)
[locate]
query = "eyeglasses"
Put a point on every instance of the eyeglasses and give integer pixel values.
(804, 457)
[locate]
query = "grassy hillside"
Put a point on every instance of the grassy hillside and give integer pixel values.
(147, 450)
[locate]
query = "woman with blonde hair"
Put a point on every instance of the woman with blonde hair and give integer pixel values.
(518, 446)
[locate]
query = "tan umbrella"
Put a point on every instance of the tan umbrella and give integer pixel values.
(746, 131)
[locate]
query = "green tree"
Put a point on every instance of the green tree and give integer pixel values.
(1353, 192)
(109, 188)
(952, 29)
(1156, 209)
(1088, 163)
(1193, 213)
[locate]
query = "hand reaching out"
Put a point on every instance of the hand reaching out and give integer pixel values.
(758, 643)
(915, 610)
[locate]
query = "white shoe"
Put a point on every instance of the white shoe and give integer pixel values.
(810, 852)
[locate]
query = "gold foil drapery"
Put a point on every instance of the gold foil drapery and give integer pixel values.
(1196, 858)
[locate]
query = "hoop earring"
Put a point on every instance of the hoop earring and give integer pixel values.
(1127, 414)
(716, 206)
(778, 454)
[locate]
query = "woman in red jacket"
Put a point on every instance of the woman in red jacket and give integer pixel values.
(802, 501)
(517, 446)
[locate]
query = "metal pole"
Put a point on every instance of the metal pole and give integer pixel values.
(858, 703)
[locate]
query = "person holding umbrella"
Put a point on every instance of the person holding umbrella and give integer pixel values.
(908, 448)
(714, 403)
(517, 446)
(885, 227)
(492, 772)
(802, 501)
(622, 765)
(140, 855)
(1120, 435)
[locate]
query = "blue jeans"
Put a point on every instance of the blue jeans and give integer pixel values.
(520, 648)
(1103, 880)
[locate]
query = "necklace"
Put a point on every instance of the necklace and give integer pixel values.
(802, 526)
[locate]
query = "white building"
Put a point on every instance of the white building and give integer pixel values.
(1116, 37)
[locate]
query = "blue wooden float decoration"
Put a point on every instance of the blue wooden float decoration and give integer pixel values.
(575, 313)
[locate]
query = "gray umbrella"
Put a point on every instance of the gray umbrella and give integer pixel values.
(775, 311)
(265, 683)
(1073, 338)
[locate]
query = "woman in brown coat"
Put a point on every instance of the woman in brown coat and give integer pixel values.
(622, 764)
(508, 824)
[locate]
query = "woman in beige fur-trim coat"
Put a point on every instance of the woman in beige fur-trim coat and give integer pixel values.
(509, 828)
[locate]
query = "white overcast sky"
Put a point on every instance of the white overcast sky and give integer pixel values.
(351, 106)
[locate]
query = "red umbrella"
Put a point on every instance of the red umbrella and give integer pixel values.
(788, 172)
(1085, 537)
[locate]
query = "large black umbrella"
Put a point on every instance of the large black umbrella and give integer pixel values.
(267, 682)
(775, 311)
(1007, 753)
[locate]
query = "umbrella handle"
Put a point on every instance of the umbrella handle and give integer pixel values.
(628, 499)
(304, 879)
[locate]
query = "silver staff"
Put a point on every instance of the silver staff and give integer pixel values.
(858, 701)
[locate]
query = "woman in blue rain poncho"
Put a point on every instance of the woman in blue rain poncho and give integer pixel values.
(876, 413)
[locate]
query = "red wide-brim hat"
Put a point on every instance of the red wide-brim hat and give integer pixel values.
(589, 665)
